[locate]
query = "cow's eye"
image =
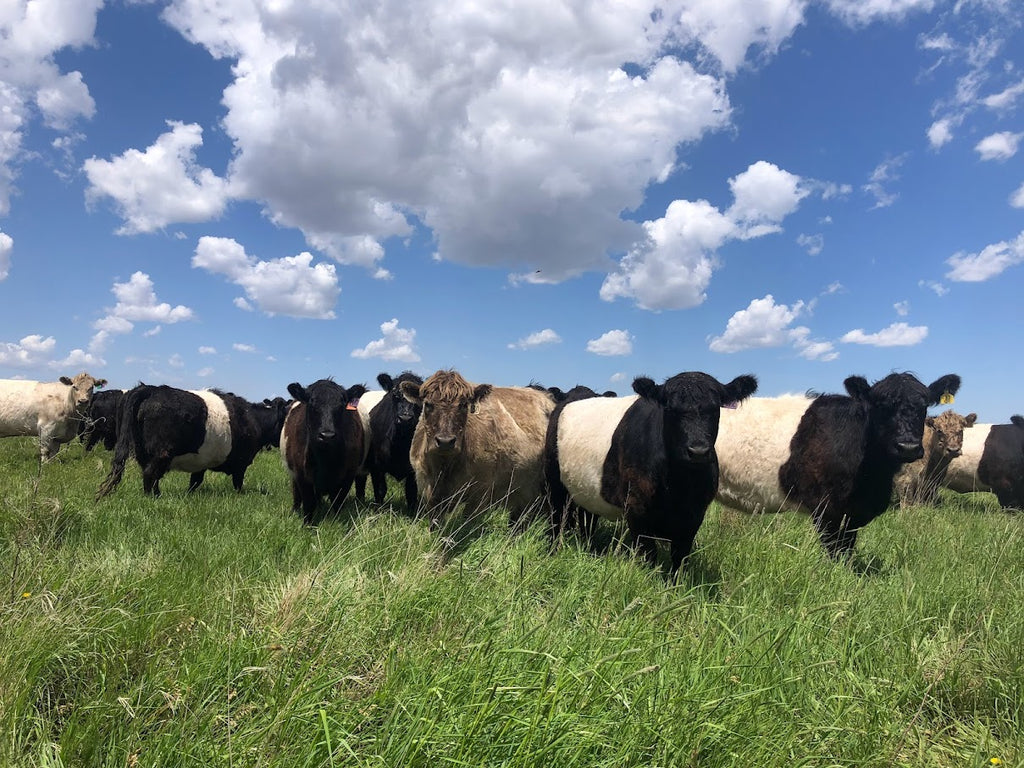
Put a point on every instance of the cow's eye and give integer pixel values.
(463, 406)
(428, 407)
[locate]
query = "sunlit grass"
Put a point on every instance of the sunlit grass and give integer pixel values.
(213, 629)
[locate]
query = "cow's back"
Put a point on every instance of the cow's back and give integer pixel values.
(216, 442)
(962, 474)
(584, 438)
(753, 443)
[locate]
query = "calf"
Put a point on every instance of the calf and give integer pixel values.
(100, 422)
(833, 456)
(918, 482)
(187, 431)
(390, 422)
(322, 445)
(992, 460)
(51, 410)
(478, 443)
(649, 458)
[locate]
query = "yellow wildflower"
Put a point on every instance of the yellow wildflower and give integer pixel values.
(26, 594)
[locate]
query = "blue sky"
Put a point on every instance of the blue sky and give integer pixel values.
(245, 193)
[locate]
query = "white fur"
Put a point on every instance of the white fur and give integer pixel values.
(585, 431)
(217, 443)
(753, 444)
(46, 409)
(962, 475)
(284, 439)
(367, 403)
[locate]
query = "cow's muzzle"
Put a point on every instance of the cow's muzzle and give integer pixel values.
(909, 451)
(444, 444)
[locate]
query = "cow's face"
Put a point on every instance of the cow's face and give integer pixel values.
(948, 433)
(692, 404)
(326, 403)
(447, 400)
(407, 412)
(82, 387)
(897, 407)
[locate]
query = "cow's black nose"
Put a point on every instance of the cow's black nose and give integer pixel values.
(955, 453)
(910, 451)
(447, 443)
(324, 435)
(698, 451)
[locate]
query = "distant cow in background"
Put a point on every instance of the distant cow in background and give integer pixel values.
(833, 456)
(560, 396)
(188, 431)
(649, 458)
(391, 422)
(50, 410)
(322, 445)
(918, 482)
(992, 460)
(100, 422)
(478, 444)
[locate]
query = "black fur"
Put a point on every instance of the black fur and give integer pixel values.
(392, 424)
(1002, 463)
(100, 422)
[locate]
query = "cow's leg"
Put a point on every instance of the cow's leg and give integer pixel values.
(837, 537)
(682, 539)
(310, 497)
(48, 445)
(296, 496)
(380, 485)
(361, 487)
(339, 498)
(237, 476)
(643, 537)
(410, 493)
(152, 471)
(195, 480)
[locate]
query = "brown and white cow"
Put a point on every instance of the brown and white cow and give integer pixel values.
(478, 444)
(52, 410)
(918, 482)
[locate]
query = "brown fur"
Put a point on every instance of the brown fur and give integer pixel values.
(918, 482)
(499, 444)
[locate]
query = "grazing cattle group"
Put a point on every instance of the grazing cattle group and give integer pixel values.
(655, 459)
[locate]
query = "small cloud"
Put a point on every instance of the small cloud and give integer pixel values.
(176, 361)
(615, 378)
(31, 351)
(204, 372)
(547, 336)
(395, 344)
(932, 285)
(1005, 98)
(612, 343)
(6, 247)
(153, 331)
(1017, 198)
(766, 324)
(902, 308)
(884, 174)
(243, 347)
(243, 305)
(207, 350)
(79, 358)
(813, 244)
(991, 261)
(896, 335)
(940, 133)
(999, 146)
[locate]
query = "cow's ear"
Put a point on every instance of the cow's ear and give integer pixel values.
(101, 383)
(740, 388)
(930, 422)
(411, 392)
(385, 381)
(556, 393)
(970, 418)
(646, 387)
(857, 387)
(945, 385)
(481, 392)
(297, 391)
(355, 391)
(609, 393)
(267, 401)
(66, 380)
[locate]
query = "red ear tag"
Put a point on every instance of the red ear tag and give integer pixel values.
(352, 406)
(731, 406)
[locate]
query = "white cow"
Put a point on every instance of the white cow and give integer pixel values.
(51, 410)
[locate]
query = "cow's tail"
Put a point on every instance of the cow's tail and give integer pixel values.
(126, 427)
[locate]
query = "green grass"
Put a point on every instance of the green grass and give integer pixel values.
(213, 629)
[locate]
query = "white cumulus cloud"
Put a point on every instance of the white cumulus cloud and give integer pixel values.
(612, 343)
(1017, 198)
(860, 12)
(6, 248)
(896, 335)
(539, 338)
(902, 308)
(395, 344)
(204, 350)
(136, 302)
(291, 285)
(992, 260)
(940, 132)
(161, 185)
(250, 348)
(765, 324)
(999, 146)
(31, 351)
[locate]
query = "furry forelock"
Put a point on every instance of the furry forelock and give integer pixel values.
(446, 387)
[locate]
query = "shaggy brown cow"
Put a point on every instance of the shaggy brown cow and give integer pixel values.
(478, 444)
(919, 481)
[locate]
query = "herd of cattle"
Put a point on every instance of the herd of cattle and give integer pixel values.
(656, 458)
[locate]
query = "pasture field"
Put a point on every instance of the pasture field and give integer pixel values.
(212, 629)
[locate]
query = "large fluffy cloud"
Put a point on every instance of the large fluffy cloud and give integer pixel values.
(767, 324)
(160, 186)
(136, 302)
(30, 352)
(671, 267)
(394, 344)
(291, 285)
(612, 343)
(992, 260)
(31, 83)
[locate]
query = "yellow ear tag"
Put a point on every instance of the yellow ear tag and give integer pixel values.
(946, 399)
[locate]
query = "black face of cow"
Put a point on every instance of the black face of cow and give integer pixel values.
(445, 415)
(897, 407)
(326, 403)
(407, 413)
(692, 405)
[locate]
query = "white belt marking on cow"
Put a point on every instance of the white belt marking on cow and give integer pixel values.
(962, 475)
(217, 443)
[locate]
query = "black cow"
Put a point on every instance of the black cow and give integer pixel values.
(992, 460)
(650, 459)
(188, 431)
(847, 450)
(392, 422)
(322, 445)
(578, 392)
(100, 422)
